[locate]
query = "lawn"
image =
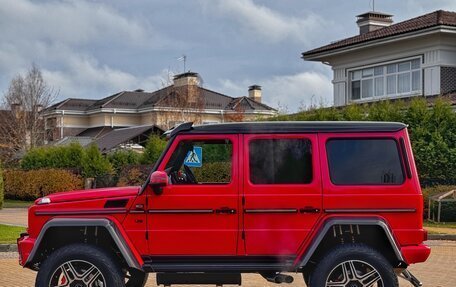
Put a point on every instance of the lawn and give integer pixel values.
(9, 234)
(440, 228)
(10, 203)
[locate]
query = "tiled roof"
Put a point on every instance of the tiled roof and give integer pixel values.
(83, 141)
(136, 100)
(95, 132)
(73, 104)
(435, 18)
(120, 136)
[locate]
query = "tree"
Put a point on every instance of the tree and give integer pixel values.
(22, 126)
(154, 147)
(93, 162)
(184, 102)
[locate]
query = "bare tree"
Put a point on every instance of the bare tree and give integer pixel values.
(183, 104)
(22, 125)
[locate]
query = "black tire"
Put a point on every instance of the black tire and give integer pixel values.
(137, 278)
(78, 255)
(361, 258)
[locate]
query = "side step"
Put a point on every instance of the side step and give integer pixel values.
(219, 279)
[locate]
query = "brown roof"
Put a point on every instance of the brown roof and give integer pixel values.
(124, 135)
(436, 18)
(140, 100)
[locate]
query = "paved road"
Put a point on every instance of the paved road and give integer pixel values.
(13, 216)
(438, 271)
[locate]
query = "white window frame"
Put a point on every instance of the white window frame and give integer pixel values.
(385, 75)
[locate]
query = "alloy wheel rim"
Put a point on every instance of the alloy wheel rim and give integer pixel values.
(77, 273)
(354, 273)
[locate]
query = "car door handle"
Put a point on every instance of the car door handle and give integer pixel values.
(139, 208)
(309, 209)
(225, 210)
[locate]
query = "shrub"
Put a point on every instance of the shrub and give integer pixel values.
(121, 158)
(30, 185)
(213, 172)
(154, 147)
(2, 191)
(69, 156)
(94, 163)
(134, 175)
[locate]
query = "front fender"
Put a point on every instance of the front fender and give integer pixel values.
(128, 251)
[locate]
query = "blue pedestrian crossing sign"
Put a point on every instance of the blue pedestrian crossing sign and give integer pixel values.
(194, 157)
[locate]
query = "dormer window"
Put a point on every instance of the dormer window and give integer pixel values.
(402, 78)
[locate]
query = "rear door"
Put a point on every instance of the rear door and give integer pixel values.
(282, 192)
(197, 213)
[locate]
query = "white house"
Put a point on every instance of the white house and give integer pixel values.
(416, 57)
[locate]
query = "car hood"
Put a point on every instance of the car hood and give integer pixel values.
(99, 193)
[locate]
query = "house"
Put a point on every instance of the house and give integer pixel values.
(184, 100)
(416, 57)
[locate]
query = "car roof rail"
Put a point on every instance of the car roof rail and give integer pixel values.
(177, 129)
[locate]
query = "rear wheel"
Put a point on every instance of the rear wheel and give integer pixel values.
(136, 278)
(79, 265)
(353, 266)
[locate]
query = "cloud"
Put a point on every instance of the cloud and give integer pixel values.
(67, 39)
(288, 92)
(266, 24)
(70, 22)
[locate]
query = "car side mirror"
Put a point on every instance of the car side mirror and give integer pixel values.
(158, 180)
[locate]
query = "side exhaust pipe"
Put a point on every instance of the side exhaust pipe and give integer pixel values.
(277, 278)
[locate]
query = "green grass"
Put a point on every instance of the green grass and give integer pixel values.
(451, 225)
(10, 203)
(9, 234)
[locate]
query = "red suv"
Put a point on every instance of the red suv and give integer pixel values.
(339, 202)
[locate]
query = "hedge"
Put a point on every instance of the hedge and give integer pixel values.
(2, 191)
(30, 185)
(218, 172)
(432, 129)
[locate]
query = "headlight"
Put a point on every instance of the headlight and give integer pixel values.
(44, 200)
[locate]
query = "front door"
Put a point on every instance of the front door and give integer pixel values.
(197, 213)
(282, 192)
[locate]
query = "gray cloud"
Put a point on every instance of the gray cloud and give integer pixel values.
(266, 24)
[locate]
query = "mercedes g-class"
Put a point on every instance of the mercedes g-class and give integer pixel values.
(339, 202)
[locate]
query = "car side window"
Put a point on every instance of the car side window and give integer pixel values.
(364, 162)
(201, 162)
(280, 161)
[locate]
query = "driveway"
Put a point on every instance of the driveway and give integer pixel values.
(13, 216)
(438, 271)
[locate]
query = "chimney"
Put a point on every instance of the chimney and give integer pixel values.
(187, 86)
(255, 93)
(186, 79)
(371, 21)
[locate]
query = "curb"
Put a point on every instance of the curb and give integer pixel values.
(451, 237)
(8, 248)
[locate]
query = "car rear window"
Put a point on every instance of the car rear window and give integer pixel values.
(280, 161)
(364, 162)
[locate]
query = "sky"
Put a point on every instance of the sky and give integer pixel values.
(92, 49)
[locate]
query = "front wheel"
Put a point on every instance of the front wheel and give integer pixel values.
(353, 265)
(79, 265)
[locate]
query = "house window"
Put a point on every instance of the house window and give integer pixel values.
(391, 80)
